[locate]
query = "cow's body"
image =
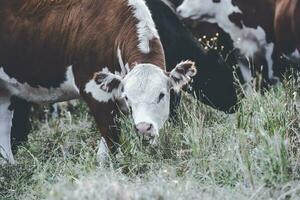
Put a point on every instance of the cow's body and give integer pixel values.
(55, 51)
(249, 24)
(287, 28)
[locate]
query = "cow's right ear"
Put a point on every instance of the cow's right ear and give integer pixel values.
(105, 85)
(107, 81)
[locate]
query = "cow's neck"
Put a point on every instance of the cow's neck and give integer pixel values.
(138, 41)
(130, 55)
(222, 10)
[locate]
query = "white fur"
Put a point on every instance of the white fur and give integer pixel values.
(103, 151)
(246, 72)
(145, 28)
(170, 5)
(124, 68)
(66, 91)
(295, 56)
(269, 48)
(248, 40)
(6, 116)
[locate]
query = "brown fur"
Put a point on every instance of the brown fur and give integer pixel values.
(287, 25)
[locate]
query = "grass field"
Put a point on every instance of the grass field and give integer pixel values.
(253, 154)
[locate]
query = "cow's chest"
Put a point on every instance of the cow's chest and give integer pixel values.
(65, 91)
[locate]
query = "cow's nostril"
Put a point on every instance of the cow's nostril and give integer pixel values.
(179, 11)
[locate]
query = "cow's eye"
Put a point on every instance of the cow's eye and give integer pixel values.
(126, 98)
(160, 97)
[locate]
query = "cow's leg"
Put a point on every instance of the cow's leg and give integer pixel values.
(104, 114)
(100, 90)
(6, 115)
(20, 123)
(269, 49)
(246, 73)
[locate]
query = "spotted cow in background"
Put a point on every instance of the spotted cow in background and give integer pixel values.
(287, 28)
(218, 40)
(55, 51)
(249, 24)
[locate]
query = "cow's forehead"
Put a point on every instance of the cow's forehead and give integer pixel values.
(145, 78)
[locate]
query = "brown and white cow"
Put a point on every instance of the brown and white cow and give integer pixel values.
(287, 28)
(249, 24)
(54, 51)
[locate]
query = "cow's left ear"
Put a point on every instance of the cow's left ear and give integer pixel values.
(182, 74)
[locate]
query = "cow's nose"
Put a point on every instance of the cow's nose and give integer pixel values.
(144, 128)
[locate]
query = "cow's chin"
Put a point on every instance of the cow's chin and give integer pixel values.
(204, 17)
(152, 141)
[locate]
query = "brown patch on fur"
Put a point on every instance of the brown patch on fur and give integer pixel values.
(287, 25)
(37, 7)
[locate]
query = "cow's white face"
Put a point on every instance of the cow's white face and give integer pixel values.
(146, 92)
(198, 9)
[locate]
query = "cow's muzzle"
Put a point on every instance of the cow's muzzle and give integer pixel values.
(146, 130)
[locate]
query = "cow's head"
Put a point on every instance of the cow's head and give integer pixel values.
(145, 90)
(199, 9)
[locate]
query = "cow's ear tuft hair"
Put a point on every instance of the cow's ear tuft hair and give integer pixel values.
(182, 74)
